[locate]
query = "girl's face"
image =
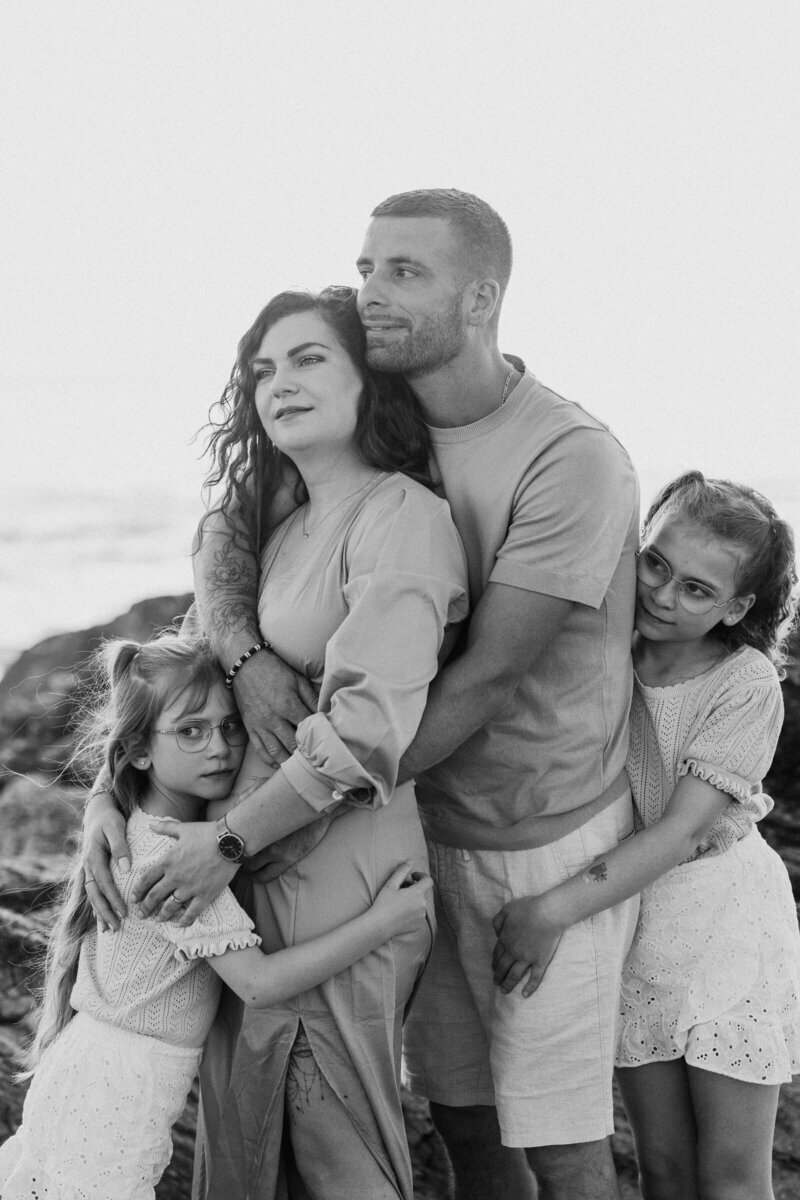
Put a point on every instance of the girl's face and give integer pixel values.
(307, 386)
(694, 557)
(203, 774)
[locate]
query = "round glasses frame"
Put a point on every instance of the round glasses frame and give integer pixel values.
(195, 735)
(655, 571)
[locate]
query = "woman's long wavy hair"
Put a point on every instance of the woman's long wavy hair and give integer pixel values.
(764, 545)
(390, 430)
(130, 685)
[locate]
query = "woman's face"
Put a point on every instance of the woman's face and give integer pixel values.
(307, 386)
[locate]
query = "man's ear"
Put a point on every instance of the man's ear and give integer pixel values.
(483, 297)
(738, 608)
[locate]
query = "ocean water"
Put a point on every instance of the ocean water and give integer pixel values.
(69, 560)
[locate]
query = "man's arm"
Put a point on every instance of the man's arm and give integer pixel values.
(272, 698)
(508, 631)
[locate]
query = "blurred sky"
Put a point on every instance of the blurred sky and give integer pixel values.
(167, 165)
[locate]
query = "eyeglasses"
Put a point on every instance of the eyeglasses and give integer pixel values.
(195, 735)
(694, 597)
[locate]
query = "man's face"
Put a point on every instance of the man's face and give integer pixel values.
(412, 294)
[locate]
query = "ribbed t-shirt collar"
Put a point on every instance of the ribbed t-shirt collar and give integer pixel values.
(476, 429)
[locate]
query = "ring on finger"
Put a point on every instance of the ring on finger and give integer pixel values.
(180, 903)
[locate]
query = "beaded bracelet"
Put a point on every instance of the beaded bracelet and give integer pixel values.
(242, 659)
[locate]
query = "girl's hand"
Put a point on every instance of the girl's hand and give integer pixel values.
(402, 903)
(527, 939)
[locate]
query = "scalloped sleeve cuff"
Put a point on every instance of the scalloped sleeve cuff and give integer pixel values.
(735, 785)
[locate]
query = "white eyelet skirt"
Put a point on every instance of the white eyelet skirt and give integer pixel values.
(97, 1117)
(713, 974)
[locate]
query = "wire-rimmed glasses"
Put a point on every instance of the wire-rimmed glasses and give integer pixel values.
(194, 736)
(696, 598)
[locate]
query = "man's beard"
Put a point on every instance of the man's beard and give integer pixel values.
(421, 350)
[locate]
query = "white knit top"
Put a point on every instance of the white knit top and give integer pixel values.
(723, 727)
(151, 977)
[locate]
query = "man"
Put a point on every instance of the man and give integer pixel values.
(519, 758)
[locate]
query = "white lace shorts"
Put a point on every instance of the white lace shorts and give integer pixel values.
(713, 975)
(97, 1118)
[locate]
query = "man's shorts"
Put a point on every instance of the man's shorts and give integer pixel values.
(546, 1063)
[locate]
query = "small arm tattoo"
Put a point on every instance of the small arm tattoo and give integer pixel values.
(597, 873)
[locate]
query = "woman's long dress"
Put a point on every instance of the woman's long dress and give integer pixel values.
(359, 607)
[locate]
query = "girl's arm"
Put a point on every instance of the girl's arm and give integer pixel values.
(529, 929)
(265, 979)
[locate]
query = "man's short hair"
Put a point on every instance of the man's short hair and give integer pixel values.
(481, 231)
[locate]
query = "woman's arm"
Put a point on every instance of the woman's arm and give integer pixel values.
(271, 697)
(265, 979)
(529, 929)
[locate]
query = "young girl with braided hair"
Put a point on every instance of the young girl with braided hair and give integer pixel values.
(124, 1015)
(710, 1003)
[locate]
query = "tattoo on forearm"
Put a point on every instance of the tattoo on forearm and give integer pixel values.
(597, 873)
(228, 605)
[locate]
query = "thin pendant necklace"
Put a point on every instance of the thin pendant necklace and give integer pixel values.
(308, 532)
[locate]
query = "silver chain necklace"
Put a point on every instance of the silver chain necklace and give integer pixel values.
(505, 385)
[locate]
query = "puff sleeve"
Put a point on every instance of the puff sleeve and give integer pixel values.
(405, 581)
(223, 925)
(733, 747)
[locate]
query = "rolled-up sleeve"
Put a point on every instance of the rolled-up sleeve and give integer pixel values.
(405, 583)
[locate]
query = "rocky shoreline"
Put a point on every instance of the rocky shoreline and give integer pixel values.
(40, 808)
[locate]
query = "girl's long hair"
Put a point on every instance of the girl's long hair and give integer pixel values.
(390, 435)
(130, 684)
(765, 547)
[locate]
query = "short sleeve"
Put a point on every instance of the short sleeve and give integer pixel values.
(576, 507)
(223, 925)
(405, 583)
(735, 744)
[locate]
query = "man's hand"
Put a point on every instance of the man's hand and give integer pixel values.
(188, 877)
(273, 699)
(526, 942)
(104, 840)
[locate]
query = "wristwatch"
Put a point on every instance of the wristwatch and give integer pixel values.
(229, 844)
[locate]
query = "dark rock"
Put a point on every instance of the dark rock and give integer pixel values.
(37, 692)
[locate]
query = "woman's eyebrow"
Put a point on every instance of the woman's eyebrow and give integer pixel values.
(295, 350)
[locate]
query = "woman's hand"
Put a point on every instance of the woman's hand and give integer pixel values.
(104, 840)
(188, 877)
(527, 939)
(273, 699)
(402, 903)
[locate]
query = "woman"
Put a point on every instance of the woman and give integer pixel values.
(357, 587)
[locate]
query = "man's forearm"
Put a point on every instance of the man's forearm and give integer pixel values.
(457, 706)
(226, 589)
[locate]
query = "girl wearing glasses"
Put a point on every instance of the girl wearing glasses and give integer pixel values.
(124, 1015)
(710, 1010)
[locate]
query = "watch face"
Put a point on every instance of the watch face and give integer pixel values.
(231, 847)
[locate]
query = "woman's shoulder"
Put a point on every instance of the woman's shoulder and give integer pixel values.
(396, 495)
(402, 520)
